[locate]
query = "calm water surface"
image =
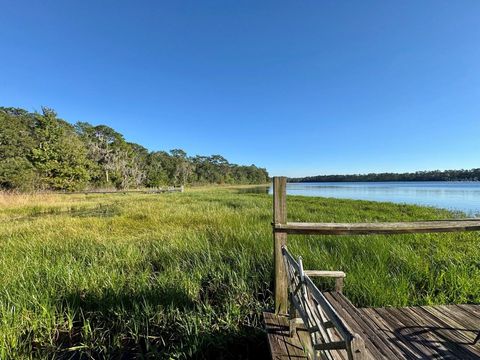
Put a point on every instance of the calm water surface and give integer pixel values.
(463, 196)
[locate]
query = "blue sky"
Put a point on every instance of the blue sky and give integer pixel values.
(298, 87)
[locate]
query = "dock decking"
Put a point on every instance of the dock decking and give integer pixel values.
(419, 332)
(282, 345)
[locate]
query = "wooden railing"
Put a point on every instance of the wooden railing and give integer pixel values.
(379, 228)
(281, 228)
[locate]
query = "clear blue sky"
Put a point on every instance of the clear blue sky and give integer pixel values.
(299, 87)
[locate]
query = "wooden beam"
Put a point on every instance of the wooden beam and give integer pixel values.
(378, 228)
(279, 240)
(325, 273)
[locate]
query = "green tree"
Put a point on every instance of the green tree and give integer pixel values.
(41, 150)
(159, 169)
(16, 144)
(183, 167)
(60, 156)
(103, 145)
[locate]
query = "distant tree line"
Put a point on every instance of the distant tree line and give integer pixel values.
(435, 175)
(41, 151)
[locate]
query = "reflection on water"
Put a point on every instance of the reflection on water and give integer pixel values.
(463, 196)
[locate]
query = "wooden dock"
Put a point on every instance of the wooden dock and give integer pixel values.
(309, 324)
(423, 332)
(156, 190)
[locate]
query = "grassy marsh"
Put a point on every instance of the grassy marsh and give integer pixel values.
(186, 275)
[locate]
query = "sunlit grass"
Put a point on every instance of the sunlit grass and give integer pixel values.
(188, 274)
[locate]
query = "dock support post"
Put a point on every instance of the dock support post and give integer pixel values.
(279, 240)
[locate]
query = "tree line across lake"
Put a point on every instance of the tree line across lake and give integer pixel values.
(39, 151)
(435, 175)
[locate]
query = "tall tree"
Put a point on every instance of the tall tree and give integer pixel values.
(103, 145)
(60, 156)
(159, 169)
(183, 167)
(16, 144)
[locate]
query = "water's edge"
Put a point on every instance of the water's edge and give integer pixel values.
(452, 195)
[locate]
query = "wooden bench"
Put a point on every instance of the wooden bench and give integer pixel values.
(313, 318)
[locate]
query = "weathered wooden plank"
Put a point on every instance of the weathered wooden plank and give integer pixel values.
(474, 310)
(453, 332)
(420, 331)
(372, 332)
(452, 328)
(383, 336)
(324, 273)
(463, 317)
(440, 326)
(280, 240)
(394, 323)
(402, 325)
(387, 333)
(468, 325)
(281, 345)
(378, 228)
(347, 312)
(275, 336)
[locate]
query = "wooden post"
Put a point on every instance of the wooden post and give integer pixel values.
(357, 348)
(339, 284)
(279, 240)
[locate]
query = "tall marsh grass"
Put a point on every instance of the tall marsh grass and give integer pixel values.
(188, 275)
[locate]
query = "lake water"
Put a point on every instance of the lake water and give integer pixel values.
(463, 196)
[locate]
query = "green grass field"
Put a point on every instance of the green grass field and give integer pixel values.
(187, 275)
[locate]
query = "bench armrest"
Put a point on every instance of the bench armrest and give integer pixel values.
(324, 273)
(338, 275)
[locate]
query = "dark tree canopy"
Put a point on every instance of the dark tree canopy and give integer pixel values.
(16, 144)
(41, 151)
(435, 175)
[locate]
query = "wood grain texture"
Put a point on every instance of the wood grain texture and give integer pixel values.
(280, 240)
(426, 332)
(329, 332)
(378, 228)
(282, 345)
(419, 332)
(325, 273)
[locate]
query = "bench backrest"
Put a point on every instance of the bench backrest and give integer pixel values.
(328, 331)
